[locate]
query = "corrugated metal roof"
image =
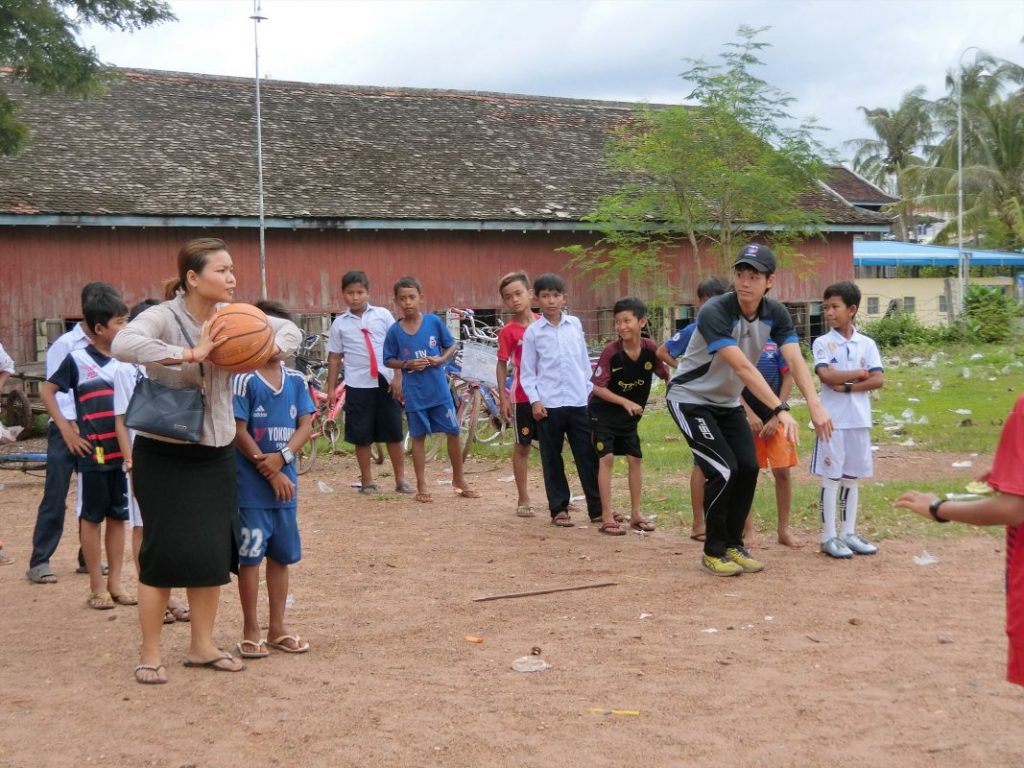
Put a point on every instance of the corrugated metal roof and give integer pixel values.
(888, 253)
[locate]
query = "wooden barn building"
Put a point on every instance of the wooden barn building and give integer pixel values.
(454, 187)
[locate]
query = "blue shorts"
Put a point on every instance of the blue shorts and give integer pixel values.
(440, 418)
(272, 533)
(102, 494)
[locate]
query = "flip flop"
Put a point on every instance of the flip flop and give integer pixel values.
(180, 612)
(404, 487)
(642, 525)
(149, 668)
(169, 616)
(370, 489)
(611, 529)
(123, 598)
(100, 601)
(41, 574)
(424, 498)
(104, 569)
(5, 559)
(258, 649)
(468, 493)
(619, 517)
(281, 644)
(525, 510)
(562, 520)
(214, 664)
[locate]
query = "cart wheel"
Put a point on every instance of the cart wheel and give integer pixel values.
(18, 410)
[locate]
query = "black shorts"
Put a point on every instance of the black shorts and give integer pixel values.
(619, 442)
(372, 416)
(526, 427)
(102, 495)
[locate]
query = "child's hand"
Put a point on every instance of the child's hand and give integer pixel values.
(396, 389)
(756, 425)
(539, 411)
(633, 409)
(417, 364)
(77, 444)
(269, 464)
(916, 502)
(769, 427)
(506, 409)
(284, 488)
(126, 464)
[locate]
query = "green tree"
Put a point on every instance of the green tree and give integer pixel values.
(39, 43)
(900, 135)
(705, 174)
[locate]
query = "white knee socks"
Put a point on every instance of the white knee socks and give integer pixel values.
(827, 505)
(848, 504)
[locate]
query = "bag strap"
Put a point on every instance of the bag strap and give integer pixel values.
(202, 374)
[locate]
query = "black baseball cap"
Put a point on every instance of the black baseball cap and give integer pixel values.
(758, 256)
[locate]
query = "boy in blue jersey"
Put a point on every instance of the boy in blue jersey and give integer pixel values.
(669, 353)
(419, 346)
(273, 417)
(88, 373)
(704, 401)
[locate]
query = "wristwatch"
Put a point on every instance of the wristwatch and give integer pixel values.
(933, 510)
(783, 406)
(287, 455)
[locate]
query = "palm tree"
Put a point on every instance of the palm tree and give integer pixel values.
(900, 133)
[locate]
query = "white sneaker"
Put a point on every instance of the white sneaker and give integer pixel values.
(859, 544)
(835, 547)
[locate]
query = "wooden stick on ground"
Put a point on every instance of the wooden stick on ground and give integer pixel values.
(545, 591)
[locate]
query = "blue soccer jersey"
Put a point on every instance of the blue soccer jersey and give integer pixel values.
(429, 387)
(271, 417)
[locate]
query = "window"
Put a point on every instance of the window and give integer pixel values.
(943, 304)
(872, 305)
(909, 304)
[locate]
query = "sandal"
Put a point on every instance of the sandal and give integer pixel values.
(424, 498)
(404, 487)
(370, 489)
(216, 664)
(169, 616)
(611, 529)
(525, 510)
(289, 644)
(41, 574)
(468, 493)
(562, 520)
(642, 525)
(155, 669)
(100, 601)
(180, 612)
(619, 517)
(122, 598)
(252, 649)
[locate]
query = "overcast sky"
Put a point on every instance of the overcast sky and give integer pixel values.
(832, 55)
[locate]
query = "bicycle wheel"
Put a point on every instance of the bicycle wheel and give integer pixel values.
(469, 412)
(306, 457)
(431, 445)
(489, 426)
(377, 453)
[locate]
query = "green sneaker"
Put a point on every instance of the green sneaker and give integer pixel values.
(720, 566)
(742, 558)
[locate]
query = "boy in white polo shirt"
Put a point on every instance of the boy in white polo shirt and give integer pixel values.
(849, 366)
(373, 392)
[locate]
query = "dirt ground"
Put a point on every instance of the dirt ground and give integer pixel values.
(867, 662)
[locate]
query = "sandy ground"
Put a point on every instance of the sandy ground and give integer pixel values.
(868, 662)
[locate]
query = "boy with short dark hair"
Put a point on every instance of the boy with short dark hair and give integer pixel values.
(420, 345)
(88, 373)
(556, 379)
(850, 367)
(373, 392)
(704, 401)
(622, 384)
(517, 294)
(273, 418)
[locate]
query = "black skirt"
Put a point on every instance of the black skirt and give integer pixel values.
(188, 500)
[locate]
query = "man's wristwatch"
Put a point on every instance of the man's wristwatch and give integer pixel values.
(287, 455)
(783, 406)
(933, 510)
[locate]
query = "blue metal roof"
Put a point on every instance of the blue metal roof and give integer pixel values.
(888, 253)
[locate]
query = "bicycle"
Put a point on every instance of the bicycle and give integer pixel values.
(325, 421)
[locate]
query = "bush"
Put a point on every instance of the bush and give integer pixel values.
(900, 328)
(989, 314)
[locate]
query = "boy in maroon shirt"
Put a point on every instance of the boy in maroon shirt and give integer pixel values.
(1005, 508)
(622, 384)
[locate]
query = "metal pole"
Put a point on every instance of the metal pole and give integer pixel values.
(257, 18)
(961, 271)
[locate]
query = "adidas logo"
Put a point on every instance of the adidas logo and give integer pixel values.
(260, 412)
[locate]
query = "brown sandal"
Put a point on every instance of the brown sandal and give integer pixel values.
(562, 520)
(611, 529)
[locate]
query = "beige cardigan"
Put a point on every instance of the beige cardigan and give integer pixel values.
(155, 335)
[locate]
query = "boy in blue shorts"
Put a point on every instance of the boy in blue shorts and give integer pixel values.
(419, 346)
(273, 417)
(89, 373)
(622, 384)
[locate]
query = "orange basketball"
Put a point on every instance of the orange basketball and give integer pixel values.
(250, 339)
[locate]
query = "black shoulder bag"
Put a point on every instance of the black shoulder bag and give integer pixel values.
(165, 411)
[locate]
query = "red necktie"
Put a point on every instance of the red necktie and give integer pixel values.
(374, 372)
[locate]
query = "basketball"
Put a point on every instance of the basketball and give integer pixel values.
(250, 339)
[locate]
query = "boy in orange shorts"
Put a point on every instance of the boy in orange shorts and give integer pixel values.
(773, 449)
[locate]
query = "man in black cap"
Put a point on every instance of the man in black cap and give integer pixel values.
(704, 400)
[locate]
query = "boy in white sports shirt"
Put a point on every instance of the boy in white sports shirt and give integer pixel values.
(849, 366)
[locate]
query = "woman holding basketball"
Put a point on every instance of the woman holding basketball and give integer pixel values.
(189, 533)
